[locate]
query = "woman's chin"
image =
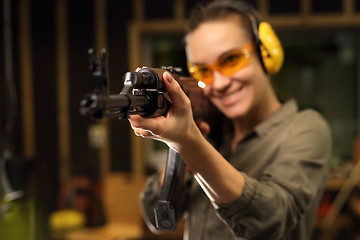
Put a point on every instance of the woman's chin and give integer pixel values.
(235, 111)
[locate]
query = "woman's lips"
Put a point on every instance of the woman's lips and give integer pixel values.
(232, 98)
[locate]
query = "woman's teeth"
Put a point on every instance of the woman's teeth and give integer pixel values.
(230, 96)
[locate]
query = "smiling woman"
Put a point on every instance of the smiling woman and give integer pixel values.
(234, 94)
(266, 154)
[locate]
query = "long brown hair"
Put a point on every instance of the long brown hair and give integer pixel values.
(222, 10)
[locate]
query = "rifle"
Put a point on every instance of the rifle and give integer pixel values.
(144, 94)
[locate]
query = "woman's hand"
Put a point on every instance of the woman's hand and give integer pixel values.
(176, 126)
(219, 179)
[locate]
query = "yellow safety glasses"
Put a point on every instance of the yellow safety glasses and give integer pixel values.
(227, 64)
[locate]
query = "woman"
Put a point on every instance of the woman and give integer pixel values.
(264, 176)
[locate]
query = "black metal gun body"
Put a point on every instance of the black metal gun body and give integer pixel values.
(143, 94)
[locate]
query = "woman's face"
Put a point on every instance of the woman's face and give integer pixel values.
(234, 95)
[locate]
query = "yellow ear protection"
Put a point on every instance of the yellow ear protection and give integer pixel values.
(268, 45)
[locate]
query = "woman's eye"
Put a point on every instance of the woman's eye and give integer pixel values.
(203, 70)
(230, 60)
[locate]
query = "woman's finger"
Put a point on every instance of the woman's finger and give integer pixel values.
(143, 133)
(154, 125)
(177, 95)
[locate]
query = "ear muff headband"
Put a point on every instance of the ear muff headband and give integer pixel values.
(268, 45)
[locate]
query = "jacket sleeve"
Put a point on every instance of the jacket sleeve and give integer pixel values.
(291, 185)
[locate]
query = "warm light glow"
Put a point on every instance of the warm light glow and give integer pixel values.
(201, 84)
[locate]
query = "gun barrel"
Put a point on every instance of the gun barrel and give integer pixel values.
(99, 106)
(114, 101)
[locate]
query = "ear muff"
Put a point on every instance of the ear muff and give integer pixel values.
(271, 50)
(269, 47)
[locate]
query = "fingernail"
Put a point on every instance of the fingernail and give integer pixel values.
(168, 77)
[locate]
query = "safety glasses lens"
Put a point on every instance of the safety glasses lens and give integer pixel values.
(233, 62)
(227, 65)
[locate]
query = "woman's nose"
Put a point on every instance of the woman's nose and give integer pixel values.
(220, 82)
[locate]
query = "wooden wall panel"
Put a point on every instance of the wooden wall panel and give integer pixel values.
(26, 78)
(84, 159)
(45, 105)
(119, 13)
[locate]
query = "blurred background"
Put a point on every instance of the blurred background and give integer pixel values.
(66, 176)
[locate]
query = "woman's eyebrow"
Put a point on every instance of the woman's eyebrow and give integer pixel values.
(224, 54)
